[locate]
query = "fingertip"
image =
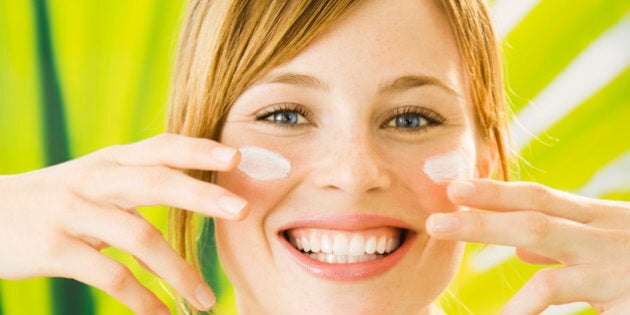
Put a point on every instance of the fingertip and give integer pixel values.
(243, 214)
(443, 223)
(235, 207)
(430, 227)
(450, 193)
(226, 155)
(235, 161)
(205, 297)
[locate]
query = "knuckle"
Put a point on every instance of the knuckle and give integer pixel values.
(198, 151)
(82, 174)
(144, 235)
(147, 306)
(117, 278)
(111, 153)
(156, 177)
(163, 138)
(88, 183)
(102, 193)
(198, 191)
(66, 200)
(537, 227)
(493, 193)
(539, 194)
(545, 285)
(476, 222)
(185, 276)
(54, 246)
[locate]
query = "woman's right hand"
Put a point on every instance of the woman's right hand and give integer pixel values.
(55, 221)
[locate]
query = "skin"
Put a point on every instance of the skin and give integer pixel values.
(371, 167)
(55, 221)
(589, 237)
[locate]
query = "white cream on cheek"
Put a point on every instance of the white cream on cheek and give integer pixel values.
(448, 166)
(262, 164)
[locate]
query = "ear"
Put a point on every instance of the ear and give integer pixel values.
(487, 159)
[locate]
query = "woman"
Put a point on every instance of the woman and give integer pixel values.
(367, 108)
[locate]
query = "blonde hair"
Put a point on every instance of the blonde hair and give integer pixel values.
(225, 46)
(471, 24)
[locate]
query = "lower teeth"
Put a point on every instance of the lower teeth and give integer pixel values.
(343, 259)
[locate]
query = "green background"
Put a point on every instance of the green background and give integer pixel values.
(76, 76)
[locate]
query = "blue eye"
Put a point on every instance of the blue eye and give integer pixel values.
(413, 118)
(409, 121)
(286, 115)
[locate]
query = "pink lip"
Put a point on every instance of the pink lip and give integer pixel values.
(348, 222)
(348, 272)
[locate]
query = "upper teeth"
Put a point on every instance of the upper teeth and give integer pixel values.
(347, 243)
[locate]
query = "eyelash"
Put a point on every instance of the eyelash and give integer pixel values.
(432, 118)
(296, 108)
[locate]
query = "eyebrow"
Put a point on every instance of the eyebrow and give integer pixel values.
(398, 84)
(298, 79)
(414, 81)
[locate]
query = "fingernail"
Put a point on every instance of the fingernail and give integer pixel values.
(232, 205)
(223, 154)
(463, 189)
(204, 296)
(445, 222)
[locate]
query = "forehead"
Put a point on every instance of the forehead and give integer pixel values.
(381, 40)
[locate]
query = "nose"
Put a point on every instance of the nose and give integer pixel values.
(351, 163)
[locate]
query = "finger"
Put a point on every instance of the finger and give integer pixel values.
(131, 187)
(176, 151)
(533, 258)
(587, 283)
(619, 307)
(557, 238)
(85, 264)
(614, 215)
(519, 196)
(141, 239)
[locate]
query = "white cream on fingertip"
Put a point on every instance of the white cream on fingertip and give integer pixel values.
(448, 166)
(262, 164)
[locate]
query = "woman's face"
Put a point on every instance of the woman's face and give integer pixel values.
(357, 113)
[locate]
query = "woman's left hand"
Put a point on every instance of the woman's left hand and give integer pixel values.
(589, 237)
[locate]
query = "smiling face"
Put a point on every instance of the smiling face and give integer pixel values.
(357, 113)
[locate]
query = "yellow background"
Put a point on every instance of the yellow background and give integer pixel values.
(76, 76)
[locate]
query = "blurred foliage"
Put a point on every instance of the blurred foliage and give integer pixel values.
(107, 64)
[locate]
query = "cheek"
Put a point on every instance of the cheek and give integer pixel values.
(261, 164)
(261, 195)
(429, 196)
(450, 166)
(240, 243)
(260, 177)
(427, 173)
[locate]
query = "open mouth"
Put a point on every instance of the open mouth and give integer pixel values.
(346, 247)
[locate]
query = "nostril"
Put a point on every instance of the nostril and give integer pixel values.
(354, 162)
(353, 176)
